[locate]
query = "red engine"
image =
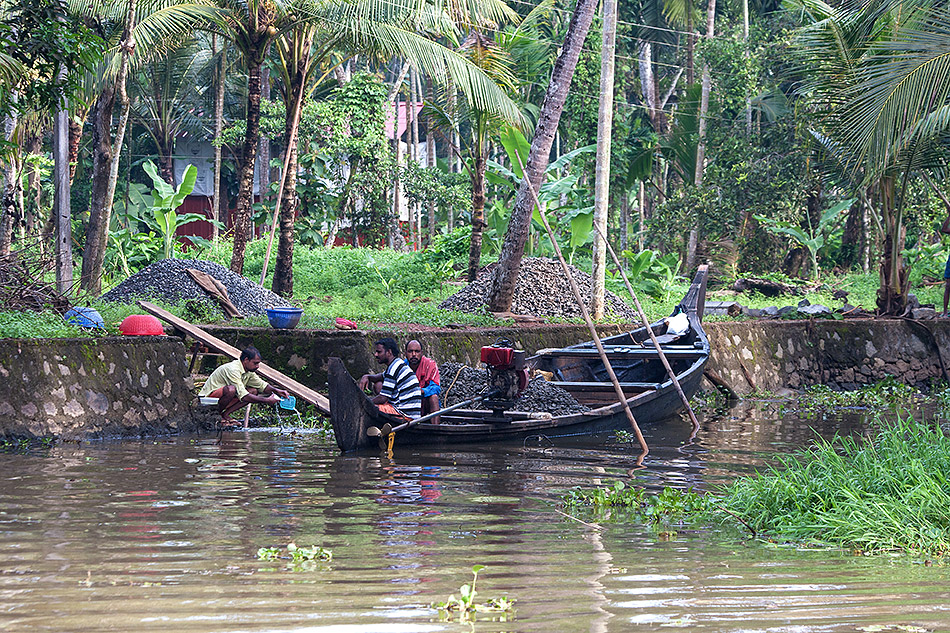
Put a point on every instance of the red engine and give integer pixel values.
(507, 374)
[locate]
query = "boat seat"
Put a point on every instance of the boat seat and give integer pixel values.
(626, 351)
(598, 386)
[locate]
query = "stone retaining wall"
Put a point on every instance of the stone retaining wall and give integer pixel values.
(778, 355)
(131, 386)
(749, 355)
(94, 387)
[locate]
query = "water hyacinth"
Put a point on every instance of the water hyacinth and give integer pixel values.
(889, 492)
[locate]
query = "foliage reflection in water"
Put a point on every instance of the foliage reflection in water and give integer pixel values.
(163, 535)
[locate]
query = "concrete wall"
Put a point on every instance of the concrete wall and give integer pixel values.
(94, 387)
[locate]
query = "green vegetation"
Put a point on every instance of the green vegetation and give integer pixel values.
(300, 558)
(885, 395)
(466, 606)
(889, 492)
(663, 511)
(26, 444)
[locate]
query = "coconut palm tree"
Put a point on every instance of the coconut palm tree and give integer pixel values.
(392, 29)
(881, 83)
(512, 252)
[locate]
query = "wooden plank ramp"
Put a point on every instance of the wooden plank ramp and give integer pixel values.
(271, 375)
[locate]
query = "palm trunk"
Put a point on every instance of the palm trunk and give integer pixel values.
(218, 127)
(478, 215)
(509, 264)
(8, 211)
(242, 211)
(704, 99)
(75, 139)
(97, 258)
(430, 163)
(283, 283)
(895, 281)
(97, 234)
(602, 172)
(263, 177)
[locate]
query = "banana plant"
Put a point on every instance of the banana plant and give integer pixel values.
(166, 199)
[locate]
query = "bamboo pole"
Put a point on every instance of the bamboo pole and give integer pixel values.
(590, 324)
(646, 323)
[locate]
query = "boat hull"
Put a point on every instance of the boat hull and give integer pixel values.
(648, 389)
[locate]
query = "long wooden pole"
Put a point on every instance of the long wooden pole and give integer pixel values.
(590, 324)
(646, 323)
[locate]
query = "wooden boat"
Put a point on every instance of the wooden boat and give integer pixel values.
(578, 369)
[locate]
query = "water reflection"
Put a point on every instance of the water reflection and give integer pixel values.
(163, 535)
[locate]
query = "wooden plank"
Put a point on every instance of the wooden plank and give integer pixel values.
(271, 375)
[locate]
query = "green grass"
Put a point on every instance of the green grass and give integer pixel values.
(887, 493)
(385, 287)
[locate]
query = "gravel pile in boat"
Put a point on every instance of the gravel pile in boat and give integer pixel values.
(542, 290)
(167, 281)
(461, 382)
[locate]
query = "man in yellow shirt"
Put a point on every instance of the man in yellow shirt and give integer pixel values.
(236, 384)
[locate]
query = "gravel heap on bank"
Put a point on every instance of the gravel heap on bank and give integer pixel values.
(167, 281)
(542, 290)
(539, 395)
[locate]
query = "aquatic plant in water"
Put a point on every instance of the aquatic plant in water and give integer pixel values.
(662, 510)
(296, 555)
(889, 492)
(465, 603)
(889, 394)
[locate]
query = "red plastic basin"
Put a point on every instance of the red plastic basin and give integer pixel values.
(141, 325)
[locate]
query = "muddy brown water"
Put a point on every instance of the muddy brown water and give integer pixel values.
(162, 535)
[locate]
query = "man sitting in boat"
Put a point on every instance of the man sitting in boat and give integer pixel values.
(236, 385)
(427, 373)
(397, 388)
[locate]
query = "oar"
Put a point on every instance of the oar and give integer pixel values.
(388, 429)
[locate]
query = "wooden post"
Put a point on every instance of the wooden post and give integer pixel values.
(590, 324)
(646, 323)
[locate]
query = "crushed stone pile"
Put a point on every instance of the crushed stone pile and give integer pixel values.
(168, 281)
(542, 290)
(538, 396)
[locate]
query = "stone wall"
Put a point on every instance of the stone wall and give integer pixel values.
(95, 387)
(750, 355)
(779, 355)
(131, 386)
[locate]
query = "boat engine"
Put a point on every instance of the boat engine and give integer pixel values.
(507, 376)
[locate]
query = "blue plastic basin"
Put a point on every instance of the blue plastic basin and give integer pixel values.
(284, 318)
(84, 317)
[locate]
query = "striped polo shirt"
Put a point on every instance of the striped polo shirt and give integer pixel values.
(401, 387)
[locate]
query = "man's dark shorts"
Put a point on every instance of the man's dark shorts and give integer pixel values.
(946, 270)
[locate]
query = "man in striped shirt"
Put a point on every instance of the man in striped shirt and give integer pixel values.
(397, 387)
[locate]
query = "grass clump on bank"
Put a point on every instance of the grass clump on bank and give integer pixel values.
(888, 493)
